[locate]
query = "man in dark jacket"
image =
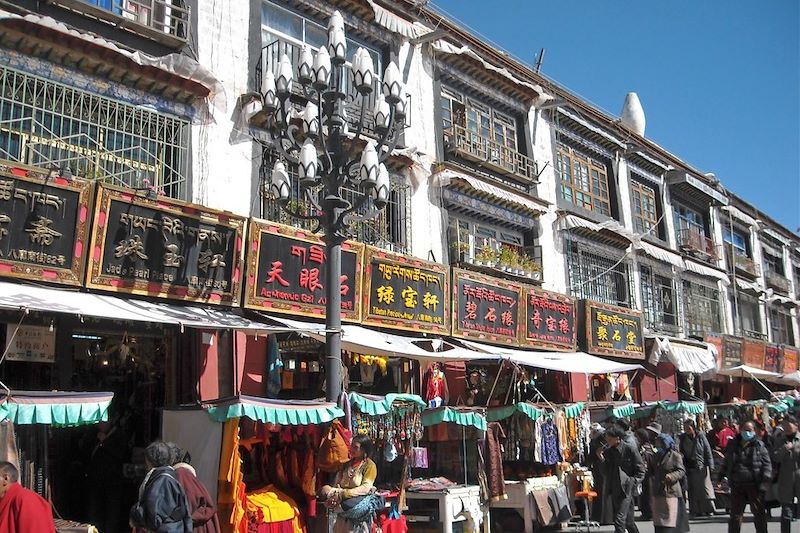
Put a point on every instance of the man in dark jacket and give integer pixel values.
(749, 470)
(786, 459)
(698, 461)
(162, 505)
(623, 470)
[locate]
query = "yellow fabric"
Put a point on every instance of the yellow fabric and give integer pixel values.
(273, 504)
(357, 482)
(230, 478)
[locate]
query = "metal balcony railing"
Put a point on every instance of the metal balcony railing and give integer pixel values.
(777, 281)
(740, 263)
(162, 20)
(692, 240)
(487, 152)
(753, 334)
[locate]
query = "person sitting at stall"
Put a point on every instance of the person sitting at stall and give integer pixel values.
(22, 510)
(665, 465)
(162, 505)
(201, 506)
(353, 493)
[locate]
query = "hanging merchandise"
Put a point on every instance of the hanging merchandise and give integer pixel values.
(274, 367)
(551, 453)
(436, 393)
(476, 384)
(419, 457)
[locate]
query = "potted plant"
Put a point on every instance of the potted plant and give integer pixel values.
(463, 252)
(485, 256)
(506, 259)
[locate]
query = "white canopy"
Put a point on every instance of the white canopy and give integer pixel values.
(790, 379)
(15, 296)
(703, 270)
(685, 356)
(743, 371)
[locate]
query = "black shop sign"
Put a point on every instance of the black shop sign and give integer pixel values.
(43, 225)
(406, 293)
(732, 348)
(549, 320)
(612, 330)
(287, 272)
(485, 308)
(166, 248)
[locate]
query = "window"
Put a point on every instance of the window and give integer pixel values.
(687, 219)
(645, 216)
(659, 303)
(749, 314)
(737, 240)
(780, 325)
(584, 180)
(701, 309)
(479, 120)
(469, 237)
(44, 123)
(773, 264)
(598, 274)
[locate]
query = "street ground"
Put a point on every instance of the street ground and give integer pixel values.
(715, 524)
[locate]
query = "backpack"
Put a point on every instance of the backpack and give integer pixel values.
(334, 450)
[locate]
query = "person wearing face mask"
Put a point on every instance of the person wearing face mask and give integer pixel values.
(623, 470)
(665, 465)
(748, 469)
(786, 459)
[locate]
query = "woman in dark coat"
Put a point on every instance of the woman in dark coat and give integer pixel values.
(667, 472)
(201, 506)
(698, 461)
(162, 505)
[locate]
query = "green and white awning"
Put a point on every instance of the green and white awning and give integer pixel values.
(281, 412)
(60, 409)
(380, 405)
(573, 410)
(462, 417)
(500, 413)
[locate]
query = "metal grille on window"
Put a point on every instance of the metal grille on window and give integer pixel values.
(748, 315)
(49, 124)
(389, 230)
(659, 303)
(780, 323)
(701, 309)
(598, 274)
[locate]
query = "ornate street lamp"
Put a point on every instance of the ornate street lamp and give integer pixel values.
(329, 158)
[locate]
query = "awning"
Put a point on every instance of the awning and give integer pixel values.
(500, 413)
(569, 222)
(573, 362)
(740, 215)
(620, 411)
(661, 254)
(454, 415)
(684, 356)
(60, 409)
(703, 270)
(380, 405)
(397, 24)
(750, 286)
(646, 409)
(281, 412)
(15, 296)
(743, 371)
(487, 189)
(790, 379)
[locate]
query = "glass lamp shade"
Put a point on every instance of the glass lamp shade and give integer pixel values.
(369, 169)
(268, 91)
(380, 194)
(322, 69)
(363, 71)
(382, 114)
(283, 82)
(311, 119)
(401, 108)
(307, 169)
(392, 83)
(305, 70)
(280, 187)
(337, 43)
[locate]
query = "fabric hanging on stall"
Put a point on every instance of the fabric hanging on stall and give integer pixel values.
(537, 440)
(563, 432)
(494, 464)
(551, 453)
(436, 392)
(8, 444)
(271, 507)
(274, 367)
(231, 487)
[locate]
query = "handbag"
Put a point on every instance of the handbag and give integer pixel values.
(419, 457)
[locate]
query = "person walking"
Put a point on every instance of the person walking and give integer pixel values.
(645, 439)
(22, 510)
(667, 472)
(786, 459)
(698, 461)
(162, 505)
(623, 470)
(748, 469)
(201, 506)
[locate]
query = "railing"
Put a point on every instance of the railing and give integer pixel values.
(167, 17)
(754, 334)
(692, 240)
(777, 281)
(487, 152)
(740, 262)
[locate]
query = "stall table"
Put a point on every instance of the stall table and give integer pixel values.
(519, 498)
(451, 504)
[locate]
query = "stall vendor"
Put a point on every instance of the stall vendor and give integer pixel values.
(353, 494)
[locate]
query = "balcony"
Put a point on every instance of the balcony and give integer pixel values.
(490, 154)
(753, 334)
(692, 241)
(740, 263)
(165, 21)
(777, 282)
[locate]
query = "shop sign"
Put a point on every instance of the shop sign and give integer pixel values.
(718, 343)
(731, 351)
(287, 272)
(753, 353)
(165, 248)
(485, 308)
(406, 293)
(43, 225)
(549, 320)
(789, 359)
(612, 330)
(33, 344)
(771, 356)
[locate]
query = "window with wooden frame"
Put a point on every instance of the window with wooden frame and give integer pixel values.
(773, 264)
(702, 311)
(780, 325)
(749, 313)
(479, 120)
(738, 240)
(659, 303)
(583, 180)
(645, 213)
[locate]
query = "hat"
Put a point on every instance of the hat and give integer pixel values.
(655, 427)
(595, 430)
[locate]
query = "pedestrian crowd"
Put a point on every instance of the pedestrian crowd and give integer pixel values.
(671, 476)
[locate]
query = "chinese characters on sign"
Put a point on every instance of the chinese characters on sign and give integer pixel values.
(34, 344)
(753, 353)
(406, 293)
(771, 356)
(166, 248)
(789, 359)
(485, 308)
(612, 330)
(549, 320)
(731, 351)
(287, 269)
(42, 225)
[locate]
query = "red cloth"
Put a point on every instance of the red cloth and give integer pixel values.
(24, 511)
(204, 513)
(389, 525)
(723, 436)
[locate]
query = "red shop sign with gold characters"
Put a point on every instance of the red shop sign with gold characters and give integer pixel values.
(405, 293)
(165, 248)
(485, 308)
(549, 320)
(612, 330)
(287, 272)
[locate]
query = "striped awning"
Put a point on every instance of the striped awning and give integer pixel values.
(380, 405)
(56, 408)
(280, 412)
(453, 415)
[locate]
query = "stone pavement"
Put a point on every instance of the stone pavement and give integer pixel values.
(716, 524)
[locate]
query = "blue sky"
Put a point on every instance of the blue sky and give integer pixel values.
(719, 80)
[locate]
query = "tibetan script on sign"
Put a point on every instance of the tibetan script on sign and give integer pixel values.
(166, 248)
(287, 272)
(771, 356)
(753, 352)
(788, 359)
(43, 225)
(549, 320)
(485, 308)
(612, 330)
(406, 293)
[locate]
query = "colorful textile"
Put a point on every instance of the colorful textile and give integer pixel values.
(494, 461)
(270, 505)
(231, 488)
(551, 453)
(201, 506)
(24, 511)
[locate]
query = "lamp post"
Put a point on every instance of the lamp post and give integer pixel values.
(328, 156)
